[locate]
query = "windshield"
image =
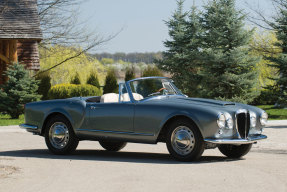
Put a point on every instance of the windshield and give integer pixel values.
(149, 87)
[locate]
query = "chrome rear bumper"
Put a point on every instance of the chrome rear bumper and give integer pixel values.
(237, 141)
(26, 126)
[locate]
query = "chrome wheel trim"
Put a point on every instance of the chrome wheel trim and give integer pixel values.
(59, 135)
(182, 140)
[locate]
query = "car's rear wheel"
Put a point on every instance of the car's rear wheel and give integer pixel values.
(184, 141)
(112, 145)
(235, 151)
(59, 136)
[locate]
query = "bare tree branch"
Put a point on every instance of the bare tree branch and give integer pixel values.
(94, 44)
(60, 24)
(260, 19)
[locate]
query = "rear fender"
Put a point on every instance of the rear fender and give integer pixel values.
(54, 112)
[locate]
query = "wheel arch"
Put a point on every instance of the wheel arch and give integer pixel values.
(164, 127)
(51, 115)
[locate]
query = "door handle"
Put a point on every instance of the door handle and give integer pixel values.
(93, 107)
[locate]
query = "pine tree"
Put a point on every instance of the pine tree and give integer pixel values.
(182, 56)
(93, 80)
(129, 74)
(152, 72)
(44, 85)
(228, 70)
(111, 85)
(280, 62)
(76, 80)
(17, 91)
(190, 77)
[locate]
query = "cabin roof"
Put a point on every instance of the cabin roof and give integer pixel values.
(19, 19)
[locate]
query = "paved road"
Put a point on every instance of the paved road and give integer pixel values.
(26, 165)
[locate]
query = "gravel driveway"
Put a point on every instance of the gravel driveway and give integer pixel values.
(26, 165)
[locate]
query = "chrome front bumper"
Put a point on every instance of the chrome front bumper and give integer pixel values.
(26, 126)
(237, 141)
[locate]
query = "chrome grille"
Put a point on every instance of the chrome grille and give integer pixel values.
(243, 124)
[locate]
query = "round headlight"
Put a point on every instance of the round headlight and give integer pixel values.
(263, 118)
(252, 119)
(221, 120)
(229, 120)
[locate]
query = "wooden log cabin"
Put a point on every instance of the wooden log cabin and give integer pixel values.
(20, 34)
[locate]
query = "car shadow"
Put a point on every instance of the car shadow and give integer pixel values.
(102, 155)
(276, 127)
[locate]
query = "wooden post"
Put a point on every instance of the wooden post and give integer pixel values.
(8, 55)
(13, 57)
(6, 49)
(1, 63)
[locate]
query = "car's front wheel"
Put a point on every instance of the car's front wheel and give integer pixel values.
(235, 151)
(59, 136)
(184, 141)
(112, 145)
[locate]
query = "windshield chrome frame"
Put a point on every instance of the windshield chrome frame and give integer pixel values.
(176, 90)
(123, 85)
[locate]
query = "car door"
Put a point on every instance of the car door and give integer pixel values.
(111, 117)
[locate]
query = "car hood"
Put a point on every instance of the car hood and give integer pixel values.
(189, 100)
(203, 103)
(206, 101)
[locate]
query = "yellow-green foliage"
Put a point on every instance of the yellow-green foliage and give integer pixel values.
(83, 64)
(262, 44)
(107, 61)
(62, 91)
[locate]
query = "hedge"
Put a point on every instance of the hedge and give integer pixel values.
(62, 91)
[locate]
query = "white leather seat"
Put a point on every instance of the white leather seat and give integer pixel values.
(125, 97)
(137, 96)
(110, 98)
(114, 98)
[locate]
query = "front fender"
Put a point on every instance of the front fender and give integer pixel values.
(180, 114)
(205, 120)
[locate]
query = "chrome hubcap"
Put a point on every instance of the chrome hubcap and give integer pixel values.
(182, 140)
(59, 135)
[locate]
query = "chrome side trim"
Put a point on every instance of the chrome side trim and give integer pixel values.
(26, 126)
(117, 132)
(236, 141)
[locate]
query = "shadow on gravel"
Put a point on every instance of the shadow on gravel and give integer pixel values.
(276, 127)
(271, 151)
(101, 155)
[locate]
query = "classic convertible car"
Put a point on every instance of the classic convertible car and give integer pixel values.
(147, 110)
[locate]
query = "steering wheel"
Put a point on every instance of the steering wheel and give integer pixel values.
(157, 92)
(161, 89)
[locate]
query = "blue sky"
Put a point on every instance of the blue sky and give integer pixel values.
(140, 22)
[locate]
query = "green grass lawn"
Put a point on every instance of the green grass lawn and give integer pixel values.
(5, 120)
(274, 113)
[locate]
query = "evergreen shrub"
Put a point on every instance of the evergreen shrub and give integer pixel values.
(62, 91)
(129, 74)
(93, 80)
(17, 91)
(152, 71)
(111, 85)
(76, 79)
(44, 85)
(268, 96)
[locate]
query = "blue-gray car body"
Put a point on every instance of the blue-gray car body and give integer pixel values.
(145, 120)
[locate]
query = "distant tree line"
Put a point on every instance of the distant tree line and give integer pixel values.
(131, 57)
